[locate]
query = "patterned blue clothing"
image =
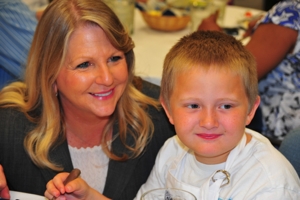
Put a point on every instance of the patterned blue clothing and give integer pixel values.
(17, 27)
(280, 89)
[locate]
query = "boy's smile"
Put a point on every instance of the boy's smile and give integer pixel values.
(209, 110)
(208, 136)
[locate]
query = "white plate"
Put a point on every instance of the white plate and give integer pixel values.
(25, 196)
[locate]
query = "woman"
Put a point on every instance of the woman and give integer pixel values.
(78, 107)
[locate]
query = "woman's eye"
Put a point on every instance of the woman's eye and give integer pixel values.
(83, 65)
(114, 58)
(226, 106)
(193, 106)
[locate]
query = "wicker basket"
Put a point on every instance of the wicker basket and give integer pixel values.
(166, 23)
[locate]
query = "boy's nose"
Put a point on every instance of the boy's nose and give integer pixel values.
(104, 76)
(208, 119)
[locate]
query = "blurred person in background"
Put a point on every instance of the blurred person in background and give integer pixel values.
(17, 27)
(36, 5)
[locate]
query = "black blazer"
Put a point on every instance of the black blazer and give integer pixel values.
(123, 179)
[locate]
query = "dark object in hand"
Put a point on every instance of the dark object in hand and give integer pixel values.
(73, 175)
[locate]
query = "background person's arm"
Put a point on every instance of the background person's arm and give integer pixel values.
(269, 44)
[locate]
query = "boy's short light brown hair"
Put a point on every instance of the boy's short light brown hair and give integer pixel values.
(209, 49)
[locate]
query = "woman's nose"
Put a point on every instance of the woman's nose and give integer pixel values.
(104, 76)
(208, 119)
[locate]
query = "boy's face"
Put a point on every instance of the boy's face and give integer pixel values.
(209, 110)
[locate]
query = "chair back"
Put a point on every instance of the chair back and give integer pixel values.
(290, 148)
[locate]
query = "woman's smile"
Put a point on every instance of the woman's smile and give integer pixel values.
(107, 94)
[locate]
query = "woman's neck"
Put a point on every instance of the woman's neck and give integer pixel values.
(83, 131)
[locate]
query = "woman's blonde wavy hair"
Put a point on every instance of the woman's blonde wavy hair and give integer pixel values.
(46, 56)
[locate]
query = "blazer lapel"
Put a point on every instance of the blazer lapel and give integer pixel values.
(60, 155)
(119, 172)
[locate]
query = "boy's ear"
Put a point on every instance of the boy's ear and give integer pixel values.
(253, 110)
(166, 110)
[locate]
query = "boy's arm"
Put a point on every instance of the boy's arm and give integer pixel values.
(157, 179)
(163, 162)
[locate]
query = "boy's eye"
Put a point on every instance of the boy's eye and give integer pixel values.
(83, 65)
(114, 58)
(193, 106)
(226, 106)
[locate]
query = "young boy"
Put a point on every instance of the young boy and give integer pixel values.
(209, 92)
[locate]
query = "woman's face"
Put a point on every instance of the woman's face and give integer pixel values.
(94, 74)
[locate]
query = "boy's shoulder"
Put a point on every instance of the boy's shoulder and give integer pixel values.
(263, 151)
(172, 151)
(264, 171)
(174, 147)
(265, 154)
(271, 168)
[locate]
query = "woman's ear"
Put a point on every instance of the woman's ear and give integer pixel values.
(55, 88)
(253, 110)
(169, 114)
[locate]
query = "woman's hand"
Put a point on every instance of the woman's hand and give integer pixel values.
(75, 190)
(4, 191)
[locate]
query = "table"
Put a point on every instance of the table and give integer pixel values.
(151, 46)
